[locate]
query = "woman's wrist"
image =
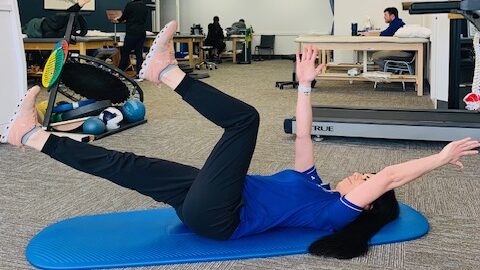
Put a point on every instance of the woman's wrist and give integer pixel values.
(442, 159)
(305, 88)
(305, 83)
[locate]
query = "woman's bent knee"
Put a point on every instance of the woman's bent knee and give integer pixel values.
(208, 223)
(254, 117)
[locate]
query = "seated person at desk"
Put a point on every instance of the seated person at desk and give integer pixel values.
(55, 26)
(215, 36)
(391, 17)
(135, 17)
(237, 28)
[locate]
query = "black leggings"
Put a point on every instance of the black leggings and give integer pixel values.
(207, 200)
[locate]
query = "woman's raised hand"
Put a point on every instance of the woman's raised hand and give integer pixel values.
(306, 70)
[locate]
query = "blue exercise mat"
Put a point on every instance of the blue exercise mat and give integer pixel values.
(154, 237)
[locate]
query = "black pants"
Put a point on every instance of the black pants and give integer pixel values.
(207, 200)
(132, 43)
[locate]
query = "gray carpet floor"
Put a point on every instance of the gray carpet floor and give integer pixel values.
(37, 191)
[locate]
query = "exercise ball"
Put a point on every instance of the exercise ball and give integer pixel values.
(93, 126)
(111, 117)
(133, 110)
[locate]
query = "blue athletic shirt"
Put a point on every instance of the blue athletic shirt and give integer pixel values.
(292, 199)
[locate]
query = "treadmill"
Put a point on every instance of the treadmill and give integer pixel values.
(425, 125)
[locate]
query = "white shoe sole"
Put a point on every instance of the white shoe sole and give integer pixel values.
(151, 52)
(6, 130)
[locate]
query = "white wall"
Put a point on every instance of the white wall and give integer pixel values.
(13, 65)
(288, 19)
(348, 12)
(439, 60)
(168, 11)
(285, 18)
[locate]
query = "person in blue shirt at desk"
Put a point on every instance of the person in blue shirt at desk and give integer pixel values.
(391, 17)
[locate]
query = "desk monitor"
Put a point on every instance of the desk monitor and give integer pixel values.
(65, 4)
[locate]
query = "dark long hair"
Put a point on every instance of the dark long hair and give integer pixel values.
(352, 241)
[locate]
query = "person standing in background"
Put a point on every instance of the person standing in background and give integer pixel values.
(135, 17)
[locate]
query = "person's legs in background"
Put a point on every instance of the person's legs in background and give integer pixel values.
(139, 52)
(219, 47)
(380, 57)
(128, 45)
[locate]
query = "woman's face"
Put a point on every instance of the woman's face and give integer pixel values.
(351, 182)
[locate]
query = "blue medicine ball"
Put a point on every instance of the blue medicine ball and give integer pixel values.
(133, 110)
(93, 126)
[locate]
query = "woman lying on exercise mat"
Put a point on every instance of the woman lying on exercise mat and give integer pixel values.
(220, 201)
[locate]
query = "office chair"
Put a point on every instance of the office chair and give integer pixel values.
(267, 42)
(208, 64)
(399, 67)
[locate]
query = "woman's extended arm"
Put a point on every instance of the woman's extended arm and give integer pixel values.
(400, 174)
(306, 73)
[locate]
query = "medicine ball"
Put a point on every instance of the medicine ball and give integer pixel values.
(93, 126)
(133, 110)
(111, 117)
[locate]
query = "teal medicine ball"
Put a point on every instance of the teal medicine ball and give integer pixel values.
(133, 111)
(93, 126)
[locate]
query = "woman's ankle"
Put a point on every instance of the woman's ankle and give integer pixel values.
(173, 77)
(38, 140)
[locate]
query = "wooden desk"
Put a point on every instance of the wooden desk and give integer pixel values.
(83, 44)
(235, 39)
(365, 44)
(189, 39)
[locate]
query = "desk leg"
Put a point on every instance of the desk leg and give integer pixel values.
(419, 70)
(234, 50)
(324, 58)
(200, 43)
(83, 49)
(365, 61)
(190, 54)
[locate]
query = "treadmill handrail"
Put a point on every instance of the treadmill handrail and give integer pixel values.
(468, 8)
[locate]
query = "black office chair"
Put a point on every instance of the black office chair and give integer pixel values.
(267, 42)
(293, 82)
